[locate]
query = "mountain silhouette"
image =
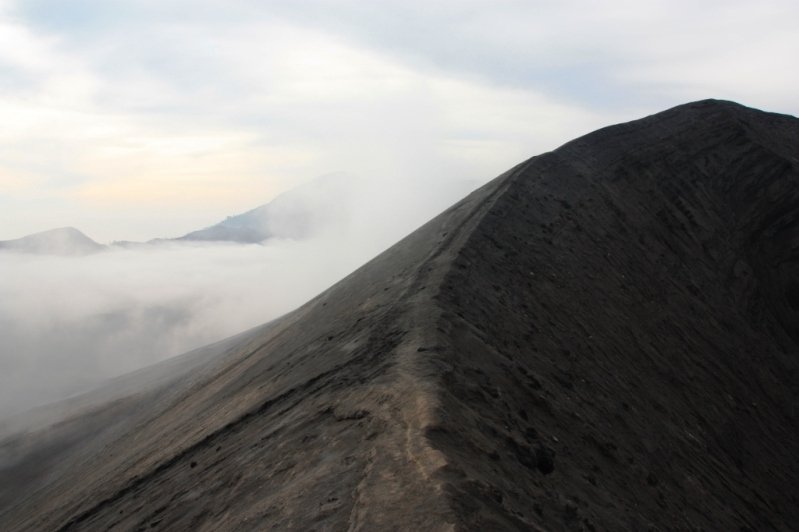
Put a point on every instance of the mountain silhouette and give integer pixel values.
(602, 338)
(296, 214)
(61, 241)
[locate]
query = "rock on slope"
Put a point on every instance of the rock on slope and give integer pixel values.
(62, 241)
(604, 337)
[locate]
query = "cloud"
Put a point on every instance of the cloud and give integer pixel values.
(583, 53)
(68, 323)
(201, 114)
(196, 108)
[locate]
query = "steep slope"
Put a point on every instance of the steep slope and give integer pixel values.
(628, 307)
(62, 241)
(602, 338)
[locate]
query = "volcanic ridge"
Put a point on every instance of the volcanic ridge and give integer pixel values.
(602, 338)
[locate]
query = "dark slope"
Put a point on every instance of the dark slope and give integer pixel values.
(602, 338)
(628, 306)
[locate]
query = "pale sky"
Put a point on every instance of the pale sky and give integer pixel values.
(150, 118)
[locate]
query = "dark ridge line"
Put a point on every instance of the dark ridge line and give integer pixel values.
(486, 206)
(390, 317)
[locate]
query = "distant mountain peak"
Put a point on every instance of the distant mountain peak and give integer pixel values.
(59, 241)
(294, 214)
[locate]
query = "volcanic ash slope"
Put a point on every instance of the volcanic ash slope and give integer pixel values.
(604, 337)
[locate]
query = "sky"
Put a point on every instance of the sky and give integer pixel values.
(136, 119)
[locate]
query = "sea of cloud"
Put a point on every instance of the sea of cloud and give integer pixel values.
(68, 323)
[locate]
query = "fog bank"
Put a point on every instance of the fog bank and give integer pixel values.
(68, 323)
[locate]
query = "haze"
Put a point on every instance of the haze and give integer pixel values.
(141, 119)
(67, 323)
